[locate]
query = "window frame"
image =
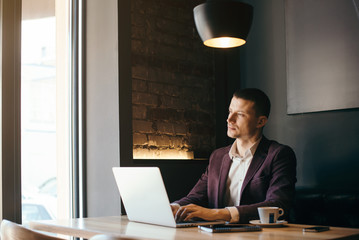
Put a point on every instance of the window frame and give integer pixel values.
(10, 100)
(10, 112)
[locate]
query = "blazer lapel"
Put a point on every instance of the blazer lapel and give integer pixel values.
(222, 182)
(258, 159)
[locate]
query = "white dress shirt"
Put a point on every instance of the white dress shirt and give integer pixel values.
(236, 176)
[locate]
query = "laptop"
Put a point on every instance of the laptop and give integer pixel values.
(145, 198)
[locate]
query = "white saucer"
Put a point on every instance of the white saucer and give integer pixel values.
(277, 224)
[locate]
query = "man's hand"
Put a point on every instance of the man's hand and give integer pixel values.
(175, 208)
(190, 211)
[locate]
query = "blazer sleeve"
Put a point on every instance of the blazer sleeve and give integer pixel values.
(277, 184)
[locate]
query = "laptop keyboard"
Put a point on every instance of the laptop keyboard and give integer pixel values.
(189, 223)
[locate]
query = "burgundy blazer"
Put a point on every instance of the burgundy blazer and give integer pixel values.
(270, 181)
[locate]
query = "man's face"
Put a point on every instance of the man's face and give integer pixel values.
(242, 121)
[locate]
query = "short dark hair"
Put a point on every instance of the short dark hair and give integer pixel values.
(260, 99)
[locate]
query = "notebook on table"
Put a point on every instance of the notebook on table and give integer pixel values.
(145, 198)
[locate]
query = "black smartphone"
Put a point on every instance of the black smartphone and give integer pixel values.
(316, 229)
(230, 228)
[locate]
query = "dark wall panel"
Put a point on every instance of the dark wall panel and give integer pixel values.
(326, 143)
(179, 176)
(322, 55)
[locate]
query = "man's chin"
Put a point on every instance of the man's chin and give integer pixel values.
(229, 134)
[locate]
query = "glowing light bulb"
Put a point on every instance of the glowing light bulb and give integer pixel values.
(224, 42)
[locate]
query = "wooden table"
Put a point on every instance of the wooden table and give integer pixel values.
(119, 225)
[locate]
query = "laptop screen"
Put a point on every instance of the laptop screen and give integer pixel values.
(144, 195)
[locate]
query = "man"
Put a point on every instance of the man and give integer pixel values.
(251, 173)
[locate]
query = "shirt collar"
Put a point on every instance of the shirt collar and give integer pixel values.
(233, 152)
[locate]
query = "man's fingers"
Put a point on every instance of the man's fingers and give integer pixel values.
(183, 214)
(192, 211)
(189, 216)
(186, 213)
(179, 214)
(174, 209)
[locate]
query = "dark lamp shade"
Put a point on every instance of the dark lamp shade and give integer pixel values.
(223, 24)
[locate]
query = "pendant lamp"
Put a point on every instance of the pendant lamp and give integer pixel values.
(223, 23)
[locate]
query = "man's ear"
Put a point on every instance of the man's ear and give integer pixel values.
(262, 120)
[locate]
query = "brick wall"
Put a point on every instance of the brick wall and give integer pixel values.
(172, 82)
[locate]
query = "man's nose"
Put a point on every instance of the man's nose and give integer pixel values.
(230, 118)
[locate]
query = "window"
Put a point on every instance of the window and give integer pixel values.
(38, 118)
(44, 111)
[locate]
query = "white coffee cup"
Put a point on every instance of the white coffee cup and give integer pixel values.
(269, 214)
